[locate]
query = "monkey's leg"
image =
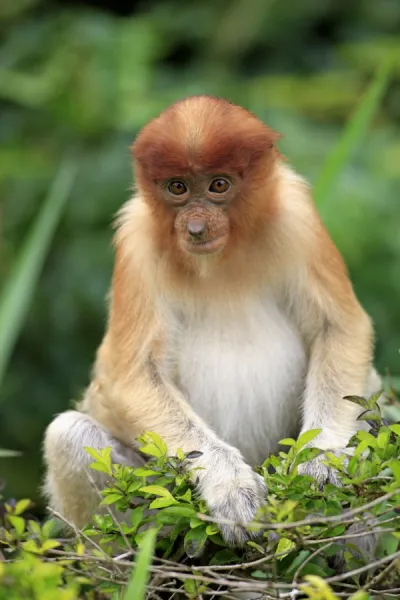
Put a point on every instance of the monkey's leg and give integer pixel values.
(68, 483)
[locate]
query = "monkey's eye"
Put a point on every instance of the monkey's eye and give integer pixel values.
(177, 188)
(219, 185)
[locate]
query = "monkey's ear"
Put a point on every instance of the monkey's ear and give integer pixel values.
(272, 137)
(143, 151)
(275, 148)
(132, 148)
(263, 143)
(142, 146)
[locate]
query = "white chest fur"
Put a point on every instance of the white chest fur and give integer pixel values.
(243, 370)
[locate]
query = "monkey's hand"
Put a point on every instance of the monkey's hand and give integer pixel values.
(232, 491)
(321, 471)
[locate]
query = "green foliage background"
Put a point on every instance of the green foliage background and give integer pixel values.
(79, 80)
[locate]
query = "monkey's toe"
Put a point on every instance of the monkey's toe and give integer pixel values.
(240, 507)
(321, 471)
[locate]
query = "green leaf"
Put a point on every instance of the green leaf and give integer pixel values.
(49, 528)
(395, 428)
(195, 522)
(369, 415)
(307, 437)
(365, 436)
(361, 447)
(287, 442)
(190, 587)
(383, 438)
(106, 457)
(360, 595)
(136, 516)
(359, 400)
(224, 557)
(34, 527)
(181, 510)
(22, 506)
(194, 541)
(18, 523)
(313, 569)
(256, 547)
(372, 401)
(163, 502)
(93, 453)
(394, 466)
(141, 472)
(89, 531)
(388, 543)
(31, 546)
(50, 544)
(187, 496)
(258, 574)
(298, 560)
(20, 285)
(134, 487)
(151, 450)
(112, 498)
(212, 529)
(352, 135)
(159, 442)
(284, 545)
(136, 589)
(180, 454)
(156, 490)
(97, 466)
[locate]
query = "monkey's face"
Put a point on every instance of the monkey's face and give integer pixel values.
(203, 167)
(201, 208)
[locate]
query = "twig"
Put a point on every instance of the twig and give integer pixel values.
(380, 576)
(349, 536)
(370, 567)
(346, 518)
(235, 583)
(155, 596)
(125, 555)
(307, 560)
(110, 513)
(80, 533)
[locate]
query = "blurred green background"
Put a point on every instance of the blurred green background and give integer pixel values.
(78, 79)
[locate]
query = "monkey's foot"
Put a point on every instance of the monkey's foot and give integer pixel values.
(362, 548)
(321, 472)
(233, 492)
(241, 507)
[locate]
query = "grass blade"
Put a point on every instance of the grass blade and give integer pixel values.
(8, 453)
(355, 129)
(393, 380)
(21, 282)
(136, 589)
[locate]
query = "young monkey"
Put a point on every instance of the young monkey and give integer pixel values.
(232, 320)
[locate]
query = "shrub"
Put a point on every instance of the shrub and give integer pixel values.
(303, 530)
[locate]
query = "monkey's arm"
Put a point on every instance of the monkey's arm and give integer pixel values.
(340, 342)
(129, 395)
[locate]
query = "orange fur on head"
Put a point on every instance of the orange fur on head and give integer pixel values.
(200, 136)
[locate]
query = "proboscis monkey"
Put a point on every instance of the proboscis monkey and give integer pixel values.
(232, 320)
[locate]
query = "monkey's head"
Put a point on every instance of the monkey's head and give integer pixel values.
(205, 168)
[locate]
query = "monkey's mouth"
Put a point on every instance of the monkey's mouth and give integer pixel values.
(206, 247)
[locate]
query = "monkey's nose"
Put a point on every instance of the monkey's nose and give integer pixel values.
(196, 228)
